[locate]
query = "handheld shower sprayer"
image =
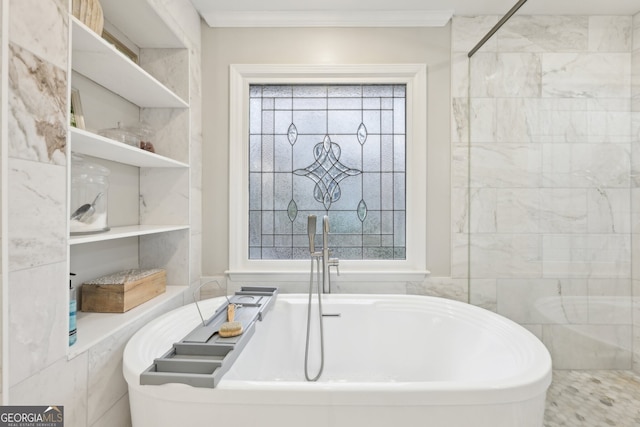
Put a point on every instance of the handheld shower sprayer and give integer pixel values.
(311, 231)
(317, 257)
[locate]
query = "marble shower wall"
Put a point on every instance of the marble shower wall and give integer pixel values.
(635, 190)
(542, 226)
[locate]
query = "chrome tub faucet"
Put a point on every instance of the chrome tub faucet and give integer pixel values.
(325, 254)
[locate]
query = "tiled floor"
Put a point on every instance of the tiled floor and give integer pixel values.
(593, 399)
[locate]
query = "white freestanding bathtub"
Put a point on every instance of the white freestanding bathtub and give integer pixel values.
(389, 360)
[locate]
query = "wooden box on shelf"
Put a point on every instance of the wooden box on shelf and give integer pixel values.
(120, 292)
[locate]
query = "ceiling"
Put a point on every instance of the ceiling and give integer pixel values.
(350, 12)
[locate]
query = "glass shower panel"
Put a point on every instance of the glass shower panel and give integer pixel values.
(549, 183)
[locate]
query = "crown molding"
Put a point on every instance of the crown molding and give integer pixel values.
(335, 18)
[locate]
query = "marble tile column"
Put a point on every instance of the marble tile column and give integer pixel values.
(37, 100)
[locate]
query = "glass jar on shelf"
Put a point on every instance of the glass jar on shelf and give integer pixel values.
(89, 196)
(138, 135)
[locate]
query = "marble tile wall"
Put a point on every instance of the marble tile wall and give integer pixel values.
(91, 385)
(543, 227)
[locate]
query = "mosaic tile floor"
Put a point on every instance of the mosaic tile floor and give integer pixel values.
(593, 399)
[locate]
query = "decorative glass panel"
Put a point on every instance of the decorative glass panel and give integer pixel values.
(336, 150)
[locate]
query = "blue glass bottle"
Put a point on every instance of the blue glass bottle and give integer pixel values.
(73, 331)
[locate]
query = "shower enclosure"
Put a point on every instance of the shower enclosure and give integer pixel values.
(546, 183)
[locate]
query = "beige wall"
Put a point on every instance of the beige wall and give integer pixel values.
(224, 46)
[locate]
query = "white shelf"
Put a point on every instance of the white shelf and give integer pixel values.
(94, 327)
(99, 61)
(141, 23)
(124, 232)
(91, 144)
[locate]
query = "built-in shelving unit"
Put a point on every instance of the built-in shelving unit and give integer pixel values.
(161, 230)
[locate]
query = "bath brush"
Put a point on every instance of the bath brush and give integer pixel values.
(230, 328)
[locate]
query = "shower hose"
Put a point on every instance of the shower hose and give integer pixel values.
(306, 350)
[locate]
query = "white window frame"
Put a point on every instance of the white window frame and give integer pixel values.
(413, 268)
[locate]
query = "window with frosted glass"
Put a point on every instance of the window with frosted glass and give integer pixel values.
(336, 150)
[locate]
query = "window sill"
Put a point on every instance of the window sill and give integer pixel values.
(345, 276)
